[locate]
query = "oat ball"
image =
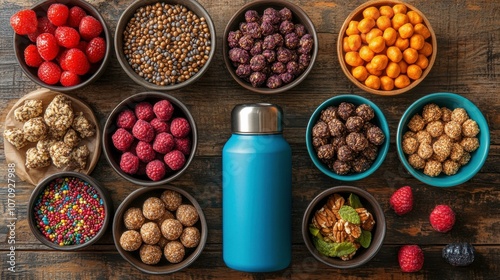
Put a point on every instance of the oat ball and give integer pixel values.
(425, 150)
(356, 141)
(365, 111)
(416, 161)
(431, 112)
(459, 115)
(171, 229)
(150, 254)
(410, 146)
(153, 208)
(360, 164)
(445, 114)
(367, 126)
(187, 215)
(35, 129)
(370, 152)
(336, 127)
(167, 215)
(133, 218)
(375, 135)
(326, 152)
(464, 159)
(354, 124)
(344, 153)
(60, 153)
(150, 233)
(442, 148)
(470, 128)
(409, 134)
(174, 251)
(15, 136)
(31, 108)
(450, 167)
(346, 110)
(433, 168)
(337, 142)
(171, 199)
(71, 138)
(320, 129)
(470, 144)
(190, 237)
(341, 167)
(423, 137)
(319, 141)
(130, 240)
(435, 128)
(457, 152)
(416, 123)
(453, 129)
(36, 158)
(329, 114)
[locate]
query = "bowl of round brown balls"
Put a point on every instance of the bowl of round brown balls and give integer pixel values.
(160, 230)
(386, 47)
(165, 45)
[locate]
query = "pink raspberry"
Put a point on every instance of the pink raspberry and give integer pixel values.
(163, 110)
(122, 139)
(179, 127)
(143, 131)
(129, 163)
(183, 145)
(175, 159)
(160, 126)
(163, 143)
(145, 151)
(144, 111)
(126, 119)
(155, 170)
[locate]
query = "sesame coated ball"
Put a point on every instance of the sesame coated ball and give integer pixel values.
(470, 128)
(450, 167)
(433, 168)
(162, 242)
(416, 123)
(174, 251)
(190, 237)
(464, 159)
(410, 146)
(423, 137)
(409, 134)
(459, 115)
(133, 218)
(453, 129)
(425, 150)
(470, 144)
(171, 229)
(442, 148)
(150, 254)
(416, 161)
(445, 114)
(150, 233)
(435, 128)
(431, 112)
(457, 152)
(171, 199)
(365, 111)
(320, 129)
(130, 240)
(187, 215)
(153, 208)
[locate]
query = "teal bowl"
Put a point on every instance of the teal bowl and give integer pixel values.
(478, 157)
(378, 120)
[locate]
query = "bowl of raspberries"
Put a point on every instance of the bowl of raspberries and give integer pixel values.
(150, 138)
(62, 46)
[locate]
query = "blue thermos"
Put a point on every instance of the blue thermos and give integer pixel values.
(256, 191)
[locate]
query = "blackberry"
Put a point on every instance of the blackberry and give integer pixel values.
(459, 254)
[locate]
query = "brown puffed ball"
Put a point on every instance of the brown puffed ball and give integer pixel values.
(424, 137)
(431, 112)
(453, 129)
(336, 127)
(435, 128)
(341, 167)
(338, 142)
(375, 135)
(425, 150)
(409, 134)
(329, 114)
(190, 237)
(319, 141)
(130, 240)
(345, 153)
(371, 152)
(356, 141)
(470, 128)
(174, 251)
(360, 164)
(365, 111)
(171, 199)
(464, 159)
(354, 124)
(150, 254)
(153, 208)
(410, 146)
(416, 161)
(442, 148)
(445, 114)
(326, 152)
(459, 115)
(150, 233)
(470, 144)
(345, 110)
(433, 168)
(416, 123)
(187, 215)
(133, 218)
(457, 152)
(450, 167)
(171, 229)
(320, 129)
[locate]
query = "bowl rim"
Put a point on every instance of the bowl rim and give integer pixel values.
(453, 180)
(103, 193)
(340, 50)
(298, 12)
(377, 239)
(187, 261)
(383, 149)
(118, 41)
(100, 70)
(136, 98)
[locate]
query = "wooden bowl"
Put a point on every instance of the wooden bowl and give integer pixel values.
(357, 15)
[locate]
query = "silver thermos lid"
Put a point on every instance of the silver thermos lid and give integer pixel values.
(258, 118)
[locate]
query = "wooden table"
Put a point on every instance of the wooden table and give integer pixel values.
(468, 63)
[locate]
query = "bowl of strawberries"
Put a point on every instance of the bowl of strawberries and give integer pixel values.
(62, 45)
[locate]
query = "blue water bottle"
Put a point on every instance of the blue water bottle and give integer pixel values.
(256, 191)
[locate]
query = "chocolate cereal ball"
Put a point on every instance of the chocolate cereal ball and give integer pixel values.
(442, 148)
(341, 167)
(470, 128)
(174, 251)
(365, 111)
(130, 240)
(336, 127)
(171, 199)
(425, 150)
(187, 215)
(171, 229)
(416, 161)
(354, 124)
(431, 112)
(450, 167)
(445, 114)
(453, 129)
(329, 114)
(150, 254)
(319, 141)
(346, 110)
(423, 137)
(416, 123)
(190, 237)
(356, 141)
(459, 115)
(470, 144)
(150, 233)
(153, 208)
(344, 153)
(433, 168)
(435, 128)
(370, 152)
(320, 129)
(326, 152)
(360, 164)
(410, 146)
(457, 152)
(338, 142)
(375, 135)
(133, 218)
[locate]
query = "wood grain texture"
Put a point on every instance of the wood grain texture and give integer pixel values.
(468, 63)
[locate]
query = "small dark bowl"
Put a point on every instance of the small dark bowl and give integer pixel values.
(299, 16)
(21, 42)
(113, 155)
(136, 199)
(107, 203)
(362, 255)
(192, 5)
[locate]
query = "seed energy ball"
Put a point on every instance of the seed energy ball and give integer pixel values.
(433, 168)
(459, 115)
(83, 125)
(410, 146)
(423, 137)
(130, 240)
(356, 141)
(416, 161)
(409, 134)
(60, 153)
(360, 164)
(71, 138)
(341, 167)
(320, 129)
(133, 218)
(336, 127)
(345, 110)
(59, 114)
(442, 148)
(371, 152)
(470, 144)
(435, 128)
(171, 199)
(450, 167)
(453, 129)
(375, 135)
(354, 124)
(416, 123)
(470, 128)
(326, 152)
(150, 254)
(464, 159)
(150, 233)
(431, 112)
(174, 251)
(345, 153)
(15, 136)
(171, 229)
(425, 150)
(187, 215)
(445, 114)
(365, 111)
(79, 157)
(329, 114)
(190, 237)
(457, 152)
(167, 215)
(153, 208)
(320, 141)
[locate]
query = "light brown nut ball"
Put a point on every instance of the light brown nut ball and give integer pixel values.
(174, 251)
(424, 137)
(130, 240)
(416, 123)
(150, 233)
(442, 148)
(187, 215)
(153, 208)
(409, 134)
(433, 168)
(171, 229)
(190, 237)
(150, 254)
(431, 112)
(410, 146)
(435, 128)
(416, 161)
(459, 115)
(445, 114)
(425, 150)
(470, 144)
(456, 152)
(470, 128)
(167, 215)
(464, 159)
(453, 129)
(133, 218)
(450, 167)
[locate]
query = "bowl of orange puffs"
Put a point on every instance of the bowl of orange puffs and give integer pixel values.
(386, 47)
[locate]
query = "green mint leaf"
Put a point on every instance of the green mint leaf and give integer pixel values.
(354, 201)
(314, 231)
(331, 249)
(365, 239)
(347, 213)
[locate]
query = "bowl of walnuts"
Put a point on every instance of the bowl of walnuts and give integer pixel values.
(386, 47)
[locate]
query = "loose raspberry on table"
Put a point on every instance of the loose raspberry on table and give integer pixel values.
(163, 110)
(67, 37)
(175, 159)
(155, 170)
(160, 126)
(96, 49)
(145, 152)
(89, 27)
(143, 131)
(24, 22)
(32, 57)
(129, 163)
(179, 127)
(144, 111)
(122, 139)
(126, 119)
(402, 200)
(411, 258)
(75, 16)
(75, 61)
(163, 143)
(442, 218)
(183, 145)
(44, 26)
(69, 79)
(47, 46)
(58, 14)
(49, 72)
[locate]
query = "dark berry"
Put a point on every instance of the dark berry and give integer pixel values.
(459, 254)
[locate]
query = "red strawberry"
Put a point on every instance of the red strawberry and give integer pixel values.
(89, 27)
(44, 26)
(75, 61)
(442, 218)
(411, 258)
(24, 22)
(58, 14)
(67, 37)
(69, 79)
(47, 46)
(402, 200)
(49, 72)
(32, 57)
(96, 49)
(75, 16)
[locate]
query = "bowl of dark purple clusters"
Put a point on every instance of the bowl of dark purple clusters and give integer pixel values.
(270, 46)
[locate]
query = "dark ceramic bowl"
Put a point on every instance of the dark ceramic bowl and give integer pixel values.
(136, 199)
(41, 187)
(299, 16)
(21, 42)
(192, 5)
(362, 255)
(113, 155)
